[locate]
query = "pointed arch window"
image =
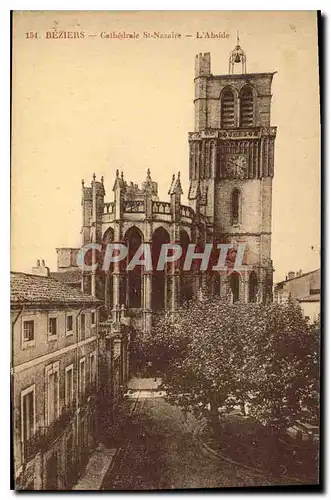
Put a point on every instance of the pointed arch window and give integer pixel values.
(227, 109)
(159, 278)
(236, 206)
(234, 280)
(246, 107)
(131, 290)
(252, 287)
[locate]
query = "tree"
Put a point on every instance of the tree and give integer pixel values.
(286, 388)
(215, 355)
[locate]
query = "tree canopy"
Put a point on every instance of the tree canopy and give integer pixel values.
(214, 356)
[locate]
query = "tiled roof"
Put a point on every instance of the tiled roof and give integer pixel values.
(310, 298)
(69, 277)
(31, 289)
(315, 276)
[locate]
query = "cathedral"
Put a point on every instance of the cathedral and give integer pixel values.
(231, 167)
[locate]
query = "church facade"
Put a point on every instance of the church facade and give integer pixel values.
(231, 168)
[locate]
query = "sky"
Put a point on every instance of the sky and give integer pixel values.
(97, 104)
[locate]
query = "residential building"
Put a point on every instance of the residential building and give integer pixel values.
(304, 288)
(54, 381)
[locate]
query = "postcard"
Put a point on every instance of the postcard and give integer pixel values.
(165, 250)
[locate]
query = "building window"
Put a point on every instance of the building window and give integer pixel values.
(69, 385)
(82, 376)
(93, 318)
(93, 368)
(246, 107)
(235, 206)
(234, 287)
(52, 393)
(52, 326)
(70, 324)
(28, 413)
(82, 326)
(252, 287)
(28, 331)
(227, 109)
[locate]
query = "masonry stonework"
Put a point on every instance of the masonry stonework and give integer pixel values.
(231, 167)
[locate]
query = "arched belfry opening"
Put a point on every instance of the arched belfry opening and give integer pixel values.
(252, 287)
(227, 109)
(133, 239)
(234, 282)
(160, 236)
(246, 100)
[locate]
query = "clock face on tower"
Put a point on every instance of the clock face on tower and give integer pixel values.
(236, 166)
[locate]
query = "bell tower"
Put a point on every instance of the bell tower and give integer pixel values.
(231, 167)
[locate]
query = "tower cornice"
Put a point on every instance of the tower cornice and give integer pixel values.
(234, 133)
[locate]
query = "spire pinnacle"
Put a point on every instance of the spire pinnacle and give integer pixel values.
(119, 181)
(176, 187)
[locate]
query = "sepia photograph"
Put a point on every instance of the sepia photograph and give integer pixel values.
(165, 281)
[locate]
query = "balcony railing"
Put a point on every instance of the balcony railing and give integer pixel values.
(32, 446)
(57, 427)
(108, 208)
(161, 207)
(45, 436)
(90, 390)
(134, 206)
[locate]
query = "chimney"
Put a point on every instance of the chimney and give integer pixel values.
(40, 269)
(291, 275)
(299, 273)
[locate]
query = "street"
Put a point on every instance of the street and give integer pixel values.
(159, 451)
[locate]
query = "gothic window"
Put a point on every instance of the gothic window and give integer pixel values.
(216, 284)
(134, 239)
(191, 161)
(235, 206)
(246, 107)
(160, 236)
(252, 287)
(185, 281)
(107, 238)
(196, 160)
(227, 109)
(234, 287)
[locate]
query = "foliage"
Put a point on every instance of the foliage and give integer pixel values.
(214, 356)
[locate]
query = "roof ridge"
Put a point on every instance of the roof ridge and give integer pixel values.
(32, 288)
(30, 274)
(301, 275)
